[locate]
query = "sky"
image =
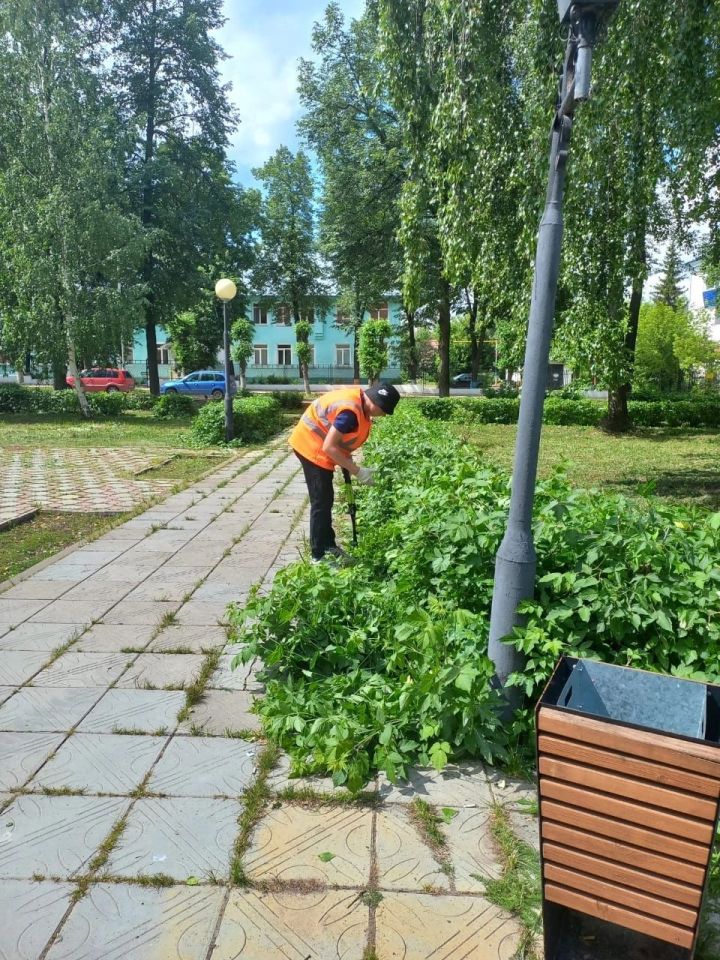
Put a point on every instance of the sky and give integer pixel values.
(265, 39)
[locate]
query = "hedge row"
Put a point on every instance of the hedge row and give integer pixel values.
(701, 411)
(255, 419)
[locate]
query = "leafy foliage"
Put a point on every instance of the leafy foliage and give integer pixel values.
(255, 418)
(384, 664)
(174, 406)
(374, 337)
(17, 399)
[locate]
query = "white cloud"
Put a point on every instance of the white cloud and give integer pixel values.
(265, 41)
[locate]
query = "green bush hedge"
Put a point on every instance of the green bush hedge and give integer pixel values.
(174, 406)
(255, 419)
(15, 398)
(140, 400)
(289, 399)
(384, 664)
(692, 410)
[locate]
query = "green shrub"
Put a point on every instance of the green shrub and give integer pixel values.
(140, 400)
(675, 413)
(14, 398)
(384, 664)
(255, 418)
(471, 409)
(174, 406)
(563, 412)
(106, 404)
(289, 399)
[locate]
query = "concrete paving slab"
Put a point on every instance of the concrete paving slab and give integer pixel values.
(139, 711)
(222, 711)
(99, 763)
(288, 843)
(220, 591)
(83, 670)
(113, 638)
(460, 786)
(225, 678)
(510, 792)
(202, 613)
(404, 861)
(29, 913)
(472, 850)
(17, 666)
(413, 926)
(6, 693)
(197, 639)
(162, 670)
(55, 836)
(22, 753)
(14, 612)
(327, 925)
(39, 636)
(79, 612)
(125, 922)
(525, 827)
(99, 590)
(33, 589)
(205, 767)
(280, 779)
(177, 836)
(47, 709)
(139, 612)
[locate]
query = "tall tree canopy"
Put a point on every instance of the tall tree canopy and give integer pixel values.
(167, 82)
(69, 250)
(287, 274)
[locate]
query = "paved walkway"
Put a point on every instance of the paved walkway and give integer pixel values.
(104, 792)
(82, 480)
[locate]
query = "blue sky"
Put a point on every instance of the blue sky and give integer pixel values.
(265, 40)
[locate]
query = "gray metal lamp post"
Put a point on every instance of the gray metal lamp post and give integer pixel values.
(225, 290)
(516, 561)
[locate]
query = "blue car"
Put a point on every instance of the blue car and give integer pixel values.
(200, 383)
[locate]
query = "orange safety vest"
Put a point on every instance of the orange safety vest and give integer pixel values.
(309, 435)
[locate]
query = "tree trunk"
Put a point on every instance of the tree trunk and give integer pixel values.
(444, 341)
(152, 360)
(75, 374)
(413, 363)
(618, 418)
(475, 346)
(20, 373)
(243, 377)
(59, 370)
(148, 202)
(356, 354)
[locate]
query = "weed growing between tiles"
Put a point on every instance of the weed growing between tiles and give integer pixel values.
(195, 690)
(255, 802)
(518, 889)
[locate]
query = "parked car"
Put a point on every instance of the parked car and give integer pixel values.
(200, 383)
(465, 380)
(104, 380)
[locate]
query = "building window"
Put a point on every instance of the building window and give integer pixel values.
(260, 315)
(163, 354)
(341, 318)
(284, 355)
(380, 312)
(282, 314)
(260, 355)
(342, 355)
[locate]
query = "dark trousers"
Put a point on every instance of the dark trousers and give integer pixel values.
(322, 496)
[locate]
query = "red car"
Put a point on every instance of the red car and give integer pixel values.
(103, 379)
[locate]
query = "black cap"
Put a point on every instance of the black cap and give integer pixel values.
(385, 396)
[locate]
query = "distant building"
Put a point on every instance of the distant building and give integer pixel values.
(333, 349)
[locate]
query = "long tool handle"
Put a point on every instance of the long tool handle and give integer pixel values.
(352, 507)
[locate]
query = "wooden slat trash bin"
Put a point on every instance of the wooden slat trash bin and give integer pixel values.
(628, 782)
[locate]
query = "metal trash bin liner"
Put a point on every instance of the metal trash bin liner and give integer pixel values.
(629, 784)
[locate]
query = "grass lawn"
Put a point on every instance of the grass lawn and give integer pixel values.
(136, 428)
(683, 464)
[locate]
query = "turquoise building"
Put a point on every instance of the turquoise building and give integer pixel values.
(275, 348)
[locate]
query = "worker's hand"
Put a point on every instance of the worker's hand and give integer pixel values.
(366, 476)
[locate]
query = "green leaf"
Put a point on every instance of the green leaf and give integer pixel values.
(192, 881)
(448, 814)
(386, 734)
(326, 857)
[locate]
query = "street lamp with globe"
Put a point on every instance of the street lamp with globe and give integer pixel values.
(225, 290)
